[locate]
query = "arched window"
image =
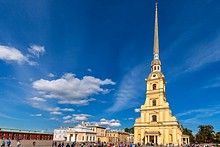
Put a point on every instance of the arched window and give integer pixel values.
(170, 138)
(158, 67)
(154, 102)
(154, 86)
(155, 67)
(154, 118)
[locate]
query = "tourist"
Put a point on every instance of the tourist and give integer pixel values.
(62, 144)
(18, 143)
(8, 143)
(73, 144)
(59, 145)
(68, 145)
(34, 143)
(3, 143)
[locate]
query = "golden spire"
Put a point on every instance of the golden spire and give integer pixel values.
(156, 39)
(155, 64)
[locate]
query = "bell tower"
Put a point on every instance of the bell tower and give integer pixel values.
(155, 81)
(156, 123)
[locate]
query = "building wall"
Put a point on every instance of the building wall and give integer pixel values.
(25, 136)
(75, 134)
(60, 134)
(91, 134)
(86, 137)
(100, 133)
(118, 136)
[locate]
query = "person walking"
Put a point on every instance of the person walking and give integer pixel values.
(73, 144)
(8, 143)
(67, 145)
(3, 143)
(18, 143)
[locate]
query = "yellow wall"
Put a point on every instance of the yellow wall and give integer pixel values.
(166, 129)
(117, 136)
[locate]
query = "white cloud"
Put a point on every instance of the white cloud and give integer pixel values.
(201, 112)
(3, 115)
(89, 70)
(137, 110)
(53, 118)
(128, 91)
(110, 123)
(71, 90)
(208, 54)
(80, 117)
(38, 99)
(213, 83)
(115, 124)
(77, 102)
(67, 109)
(56, 113)
(76, 118)
(204, 54)
(194, 117)
(130, 118)
(67, 121)
(37, 103)
(36, 50)
(36, 115)
(67, 117)
(12, 54)
(104, 122)
(52, 109)
(51, 75)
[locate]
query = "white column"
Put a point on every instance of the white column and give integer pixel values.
(166, 136)
(174, 136)
(142, 135)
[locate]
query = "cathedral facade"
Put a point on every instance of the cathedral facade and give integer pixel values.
(156, 123)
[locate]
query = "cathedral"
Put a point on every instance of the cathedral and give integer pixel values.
(156, 124)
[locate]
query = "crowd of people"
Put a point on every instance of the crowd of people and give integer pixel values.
(88, 144)
(61, 144)
(8, 143)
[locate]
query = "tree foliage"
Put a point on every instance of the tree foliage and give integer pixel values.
(205, 134)
(217, 136)
(129, 130)
(189, 132)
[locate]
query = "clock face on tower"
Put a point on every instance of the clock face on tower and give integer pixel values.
(154, 76)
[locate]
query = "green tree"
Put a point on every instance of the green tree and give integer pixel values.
(189, 132)
(206, 134)
(129, 130)
(132, 130)
(217, 136)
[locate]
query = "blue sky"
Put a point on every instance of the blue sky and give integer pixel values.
(86, 60)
